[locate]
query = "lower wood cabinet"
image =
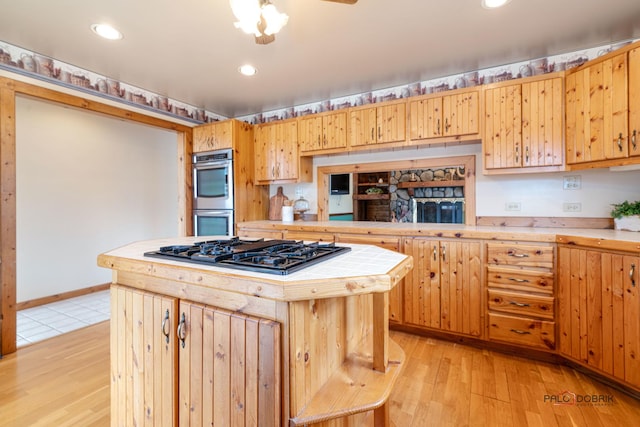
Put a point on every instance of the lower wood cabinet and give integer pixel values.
(180, 363)
(444, 289)
(600, 311)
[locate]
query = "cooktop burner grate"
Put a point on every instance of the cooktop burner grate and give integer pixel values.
(266, 256)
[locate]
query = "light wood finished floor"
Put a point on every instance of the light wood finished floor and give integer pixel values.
(64, 381)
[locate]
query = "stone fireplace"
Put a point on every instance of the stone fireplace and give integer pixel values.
(427, 195)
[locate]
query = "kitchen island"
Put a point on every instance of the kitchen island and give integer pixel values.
(194, 344)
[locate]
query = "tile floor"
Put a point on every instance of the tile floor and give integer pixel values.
(46, 321)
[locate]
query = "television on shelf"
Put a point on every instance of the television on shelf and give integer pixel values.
(339, 183)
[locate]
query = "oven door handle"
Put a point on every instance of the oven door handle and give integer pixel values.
(208, 165)
(211, 213)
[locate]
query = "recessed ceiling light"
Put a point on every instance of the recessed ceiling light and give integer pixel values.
(492, 4)
(106, 31)
(247, 70)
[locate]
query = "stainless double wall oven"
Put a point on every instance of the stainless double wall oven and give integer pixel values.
(213, 193)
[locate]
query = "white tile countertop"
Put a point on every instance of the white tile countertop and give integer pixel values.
(364, 269)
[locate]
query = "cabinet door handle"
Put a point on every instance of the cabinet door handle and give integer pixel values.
(516, 255)
(633, 140)
(444, 253)
(513, 279)
(526, 156)
(519, 304)
(379, 132)
(182, 330)
(521, 332)
(372, 134)
(273, 171)
(438, 127)
(446, 125)
(324, 140)
(620, 141)
(435, 253)
(632, 273)
(166, 328)
(517, 154)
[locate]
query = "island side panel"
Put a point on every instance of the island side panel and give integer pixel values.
(322, 334)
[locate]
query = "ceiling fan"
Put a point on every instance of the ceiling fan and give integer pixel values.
(261, 18)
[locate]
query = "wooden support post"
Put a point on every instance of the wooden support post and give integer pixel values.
(380, 331)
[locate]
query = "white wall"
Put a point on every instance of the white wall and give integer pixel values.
(539, 194)
(86, 183)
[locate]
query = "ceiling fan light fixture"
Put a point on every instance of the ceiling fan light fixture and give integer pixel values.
(274, 19)
(258, 17)
(494, 4)
(106, 31)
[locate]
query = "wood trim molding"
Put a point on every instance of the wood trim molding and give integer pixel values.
(550, 222)
(61, 297)
(469, 163)
(7, 221)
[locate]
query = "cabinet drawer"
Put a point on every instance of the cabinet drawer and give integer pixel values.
(521, 304)
(309, 236)
(520, 255)
(523, 331)
(520, 280)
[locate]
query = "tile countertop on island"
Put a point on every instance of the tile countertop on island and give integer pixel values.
(596, 238)
(364, 269)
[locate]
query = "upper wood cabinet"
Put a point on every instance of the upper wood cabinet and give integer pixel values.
(323, 132)
(381, 124)
(523, 125)
(444, 116)
(277, 154)
(602, 112)
(213, 136)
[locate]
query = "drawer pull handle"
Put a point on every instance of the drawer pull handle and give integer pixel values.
(520, 332)
(620, 141)
(632, 273)
(165, 326)
(519, 304)
(182, 332)
(515, 255)
(513, 279)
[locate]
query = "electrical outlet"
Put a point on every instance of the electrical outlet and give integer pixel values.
(572, 182)
(572, 207)
(512, 206)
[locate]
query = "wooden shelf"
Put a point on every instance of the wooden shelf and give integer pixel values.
(421, 184)
(371, 196)
(373, 184)
(354, 387)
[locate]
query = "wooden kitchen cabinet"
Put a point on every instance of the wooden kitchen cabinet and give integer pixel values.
(634, 102)
(229, 368)
(277, 154)
(523, 126)
(597, 110)
(371, 125)
(144, 358)
(449, 115)
(190, 364)
(444, 290)
(599, 311)
(323, 132)
(213, 136)
(521, 294)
